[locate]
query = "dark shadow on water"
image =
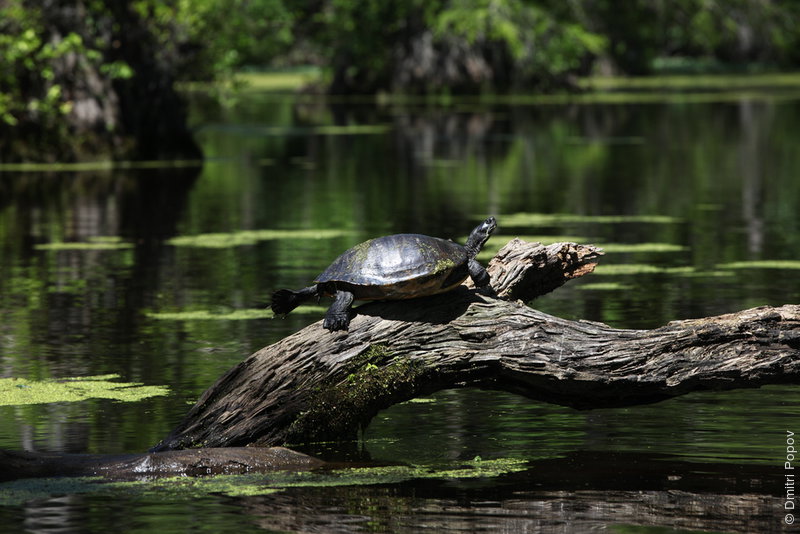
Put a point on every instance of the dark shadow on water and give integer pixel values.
(581, 492)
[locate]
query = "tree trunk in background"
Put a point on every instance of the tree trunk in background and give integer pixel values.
(111, 113)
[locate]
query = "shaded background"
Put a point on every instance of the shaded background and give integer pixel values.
(111, 254)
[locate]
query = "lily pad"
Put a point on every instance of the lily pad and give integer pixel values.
(251, 237)
(19, 391)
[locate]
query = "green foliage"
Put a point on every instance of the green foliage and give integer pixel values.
(229, 34)
(28, 85)
(369, 45)
(543, 48)
(360, 39)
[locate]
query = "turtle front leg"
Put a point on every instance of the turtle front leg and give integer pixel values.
(478, 274)
(338, 315)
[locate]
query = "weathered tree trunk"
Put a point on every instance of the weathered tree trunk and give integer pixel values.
(316, 385)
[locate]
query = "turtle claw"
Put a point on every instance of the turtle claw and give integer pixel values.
(338, 316)
(336, 321)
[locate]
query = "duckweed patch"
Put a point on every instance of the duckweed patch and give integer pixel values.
(305, 131)
(245, 314)
(641, 247)
(19, 492)
(19, 391)
(552, 219)
(94, 243)
(762, 264)
(102, 165)
(290, 80)
(251, 237)
(604, 286)
(640, 268)
(352, 129)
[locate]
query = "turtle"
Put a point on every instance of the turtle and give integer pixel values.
(393, 267)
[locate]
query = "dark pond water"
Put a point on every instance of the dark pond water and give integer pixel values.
(160, 274)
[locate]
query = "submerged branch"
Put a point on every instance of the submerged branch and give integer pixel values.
(192, 462)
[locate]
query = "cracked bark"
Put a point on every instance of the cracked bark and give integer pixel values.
(316, 385)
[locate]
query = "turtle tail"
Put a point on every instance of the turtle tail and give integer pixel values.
(285, 300)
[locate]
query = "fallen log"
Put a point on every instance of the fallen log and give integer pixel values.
(191, 462)
(317, 385)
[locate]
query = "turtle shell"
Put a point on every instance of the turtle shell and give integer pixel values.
(397, 267)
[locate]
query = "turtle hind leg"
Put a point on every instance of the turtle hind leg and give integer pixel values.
(285, 300)
(338, 315)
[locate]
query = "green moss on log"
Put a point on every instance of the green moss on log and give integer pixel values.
(340, 407)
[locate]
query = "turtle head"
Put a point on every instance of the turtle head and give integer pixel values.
(479, 236)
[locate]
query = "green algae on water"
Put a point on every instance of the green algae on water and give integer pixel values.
(93, 243)
(232, 315)
(644, 268)
(762, 264)
(266, 483)
(210, 315)
(19, 391)
(18, 492)
(640, 268)
(550, 219)
(604, 286)
(251, 237)
(641, 247)
(100, 165)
